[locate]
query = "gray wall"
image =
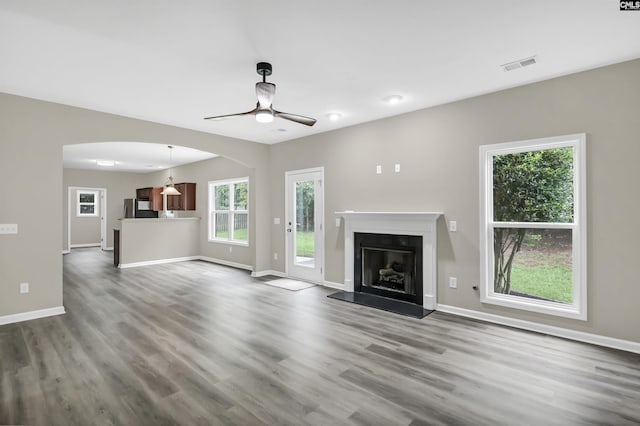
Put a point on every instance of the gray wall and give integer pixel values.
(32, 134)
(201, 173)
(118, 185)
(438, 152)
(437, 149)
(84, 229)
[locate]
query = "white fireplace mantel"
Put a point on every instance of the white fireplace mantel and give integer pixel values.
(400, 223)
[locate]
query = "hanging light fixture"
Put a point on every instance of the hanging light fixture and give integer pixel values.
(169, 188)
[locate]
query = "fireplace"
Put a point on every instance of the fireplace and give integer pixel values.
(399, 224)
(389, 265)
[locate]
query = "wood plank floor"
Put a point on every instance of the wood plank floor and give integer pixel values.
(195, 343)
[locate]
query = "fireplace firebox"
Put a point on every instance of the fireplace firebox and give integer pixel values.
(389, 265)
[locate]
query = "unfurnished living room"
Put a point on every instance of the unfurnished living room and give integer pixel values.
(319, 213)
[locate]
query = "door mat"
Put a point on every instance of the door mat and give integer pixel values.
(384, 303)
(288, 284)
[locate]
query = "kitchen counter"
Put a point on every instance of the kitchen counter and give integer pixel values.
(162, 240)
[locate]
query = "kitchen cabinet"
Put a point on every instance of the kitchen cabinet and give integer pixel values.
(116, 247)
(157, 203)
(187, 198)
(143, 194)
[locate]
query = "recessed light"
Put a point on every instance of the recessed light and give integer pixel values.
(105, 163)
(334, 116)
(393, 99)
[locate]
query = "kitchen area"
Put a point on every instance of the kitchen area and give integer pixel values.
(157, 227)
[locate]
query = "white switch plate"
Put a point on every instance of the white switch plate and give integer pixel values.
(453, 226)
(276, 221)
(24, 288)
(8, 228)
(230, 249)
(379, 169)
(275, 256)
(453, 282)
(338, 223)
(397, 168)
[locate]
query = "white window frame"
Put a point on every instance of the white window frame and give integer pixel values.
(95, 204)
(231, 212)
(578, 309)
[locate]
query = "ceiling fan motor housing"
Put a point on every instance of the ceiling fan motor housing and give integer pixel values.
(264, 68)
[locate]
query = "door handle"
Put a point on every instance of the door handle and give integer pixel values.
(288, 229)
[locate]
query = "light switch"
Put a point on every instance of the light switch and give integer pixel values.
(379, 169)
(397, 168)
(338, 223)
(453, 226)
(276, 221)
(8, 228)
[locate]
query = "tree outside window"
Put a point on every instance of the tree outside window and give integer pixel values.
(533, 237)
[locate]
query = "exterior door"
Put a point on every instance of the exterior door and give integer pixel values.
(305, 224)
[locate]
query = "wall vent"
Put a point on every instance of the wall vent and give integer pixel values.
(519, 63)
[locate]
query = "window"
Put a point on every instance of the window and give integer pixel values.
(87, 202)
(229, 211)
(533, 230)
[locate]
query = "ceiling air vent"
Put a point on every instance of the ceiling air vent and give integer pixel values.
(519, 64)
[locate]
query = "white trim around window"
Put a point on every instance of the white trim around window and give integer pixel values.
(578, 228)
(233, 213)
(87, 203)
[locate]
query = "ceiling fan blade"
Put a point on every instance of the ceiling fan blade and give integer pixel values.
(224, 117)
(307, 121)
(265, 92)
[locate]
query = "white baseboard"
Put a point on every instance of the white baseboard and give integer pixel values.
(26, 316)
(66, 251)
(157, 262)
(580, 336)
(258, 274)
(225, 263)
(85, 245)
(331, 284)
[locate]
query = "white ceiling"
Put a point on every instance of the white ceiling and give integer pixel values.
(136, 157)
(176, 62)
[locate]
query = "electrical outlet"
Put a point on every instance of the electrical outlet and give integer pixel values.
(338, 223)
(379, 169)
(24, 288)
(453, 226)
(275, 256)
(276, 221)
(453, 282)
(397, 168)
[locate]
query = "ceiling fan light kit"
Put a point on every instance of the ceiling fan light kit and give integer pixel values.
(170, 189)
(264, 111)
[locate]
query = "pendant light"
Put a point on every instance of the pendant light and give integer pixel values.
(169, 188)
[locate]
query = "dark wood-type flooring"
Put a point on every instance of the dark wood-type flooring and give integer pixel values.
(196, 343)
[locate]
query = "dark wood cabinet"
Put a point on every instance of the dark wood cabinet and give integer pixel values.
(157, 203)
(143, 194)
(116, 247)
(187, 198)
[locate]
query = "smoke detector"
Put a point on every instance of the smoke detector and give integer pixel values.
(519, 63)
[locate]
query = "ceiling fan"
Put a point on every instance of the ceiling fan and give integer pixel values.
(264, 111)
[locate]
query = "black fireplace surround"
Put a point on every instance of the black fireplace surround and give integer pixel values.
(388, 265)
